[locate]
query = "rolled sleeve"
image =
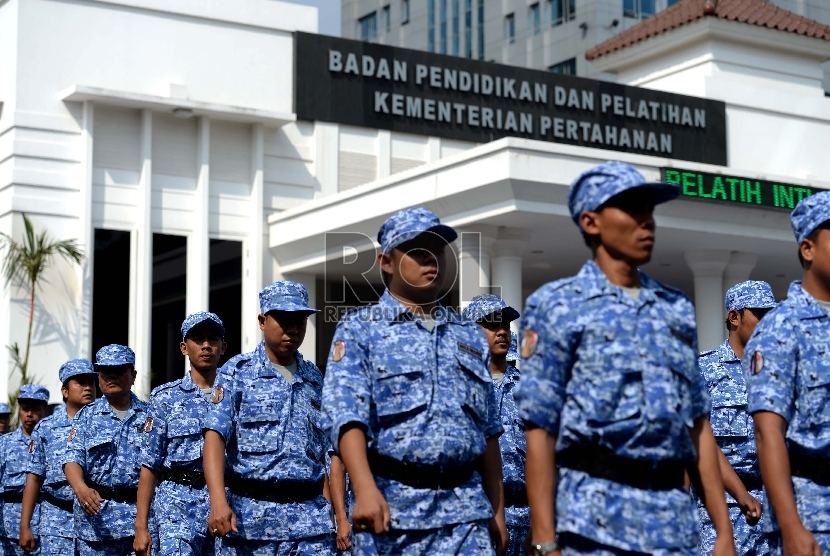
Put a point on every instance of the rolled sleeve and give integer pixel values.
(347, 388)
(545, 367)
(36, 462)
(222, 417)
(769, 366)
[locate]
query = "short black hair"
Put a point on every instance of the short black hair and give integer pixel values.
(759, 313)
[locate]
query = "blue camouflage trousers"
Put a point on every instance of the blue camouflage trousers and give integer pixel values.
(181, 515)
(51, 545)
(322, 545)
(576, 545)
(113, 547)
(517, 540)
(11, 547)
(463, 539)
(749, 540)
(776, 543)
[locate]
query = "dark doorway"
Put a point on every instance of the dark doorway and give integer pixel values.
(226, 291)
(169, 290)
(110, 289)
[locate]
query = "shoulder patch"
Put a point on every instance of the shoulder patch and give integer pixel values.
(218, 394)
(31, 446)
(72, 434)
(756, 363)
(529, 341)
(148, 425)
(466, 348)
(339, 350)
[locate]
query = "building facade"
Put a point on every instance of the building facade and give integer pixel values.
(168, 140)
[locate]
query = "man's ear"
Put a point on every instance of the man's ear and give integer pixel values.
(589, 222)
(734, 318)
(386, 263)
(807, 249)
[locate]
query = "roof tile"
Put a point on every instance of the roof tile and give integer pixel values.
(753, 12)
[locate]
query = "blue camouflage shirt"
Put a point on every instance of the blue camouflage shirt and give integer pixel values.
(272, 433)
(601, 369)
(50, 444)
(731, 422)
(424, 397)
(512, 444)
(108, 450)
(787, 369)
(15, 449)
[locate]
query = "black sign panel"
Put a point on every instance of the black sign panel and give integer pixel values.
(703, 186)
(371, 85)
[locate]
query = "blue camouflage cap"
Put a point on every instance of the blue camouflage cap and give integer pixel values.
(75, 367)
(33, 392)
(809, 214)
(202, 317)
(410, 223)
(486, 304)
(752, 294)
(4, 408)
(284, 295)
(513, 352)
(114, 355)
(593, 188)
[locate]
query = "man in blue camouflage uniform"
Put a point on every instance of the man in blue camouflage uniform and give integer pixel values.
(787, 369)
(5, 417)
(102, 460)
(494, 316)
(611, 391)
(746, 303)
(15, 449)
(173, 453)
(266, 415)
(46, 477)
(409, 406)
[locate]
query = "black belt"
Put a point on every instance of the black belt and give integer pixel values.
(65, 505)
(421, 476)
(810, 467)
(12, 497)
(186, 477)
(515, 496)
(283, 492)
(125, 495)
(637, 473)
(751, 482)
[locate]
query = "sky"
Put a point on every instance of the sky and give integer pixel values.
(329, 14)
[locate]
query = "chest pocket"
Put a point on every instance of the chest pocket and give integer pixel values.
(100, 454)
(401, 386)
(185, 440)
(608, 380)
(476, 389)
(815, 396)
(259, 430)
(729, 417)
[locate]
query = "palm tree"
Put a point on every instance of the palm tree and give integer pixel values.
(24, 265)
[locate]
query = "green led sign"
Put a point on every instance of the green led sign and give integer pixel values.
(731, 189)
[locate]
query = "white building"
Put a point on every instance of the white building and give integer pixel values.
(164, 136)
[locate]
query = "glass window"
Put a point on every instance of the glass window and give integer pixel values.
(468, 28)
(387, 18)
(431, 25)
(571, 10)
(443, 15)
(455, 28)
(110, 289)
(568, 67)
(480, 29)
(534, 18)
(225, 296)
(404, 12)
(562, 11)
(639, 9)
(510, 28)
(369, 27)
(168, 297)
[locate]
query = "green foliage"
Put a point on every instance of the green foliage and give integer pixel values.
(24, 265)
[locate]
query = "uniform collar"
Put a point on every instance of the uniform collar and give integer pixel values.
(806, 305)
(20, 435)
(102, 406)
(511, 374)
(726, 354)
(396, 311)
(595, 284)
(186, 383)
(265, 369)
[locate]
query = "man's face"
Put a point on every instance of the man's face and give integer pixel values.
(284, 331)
(203, 347)
(498, 334)
(80, 389)
(115, 380)
(816, 252)
(5, 421)
(624, 226)
(745, 322)
(417, 267)
(31, 411)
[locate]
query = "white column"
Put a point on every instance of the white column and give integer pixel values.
(86, 232)
(253, 246)
(309, 347)
(198, 241)
(506, 268)
(708, 267)
(473, 250)
(326, 154)
(739, 268)
(384, 153)
(141, 267)
(433, 149)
